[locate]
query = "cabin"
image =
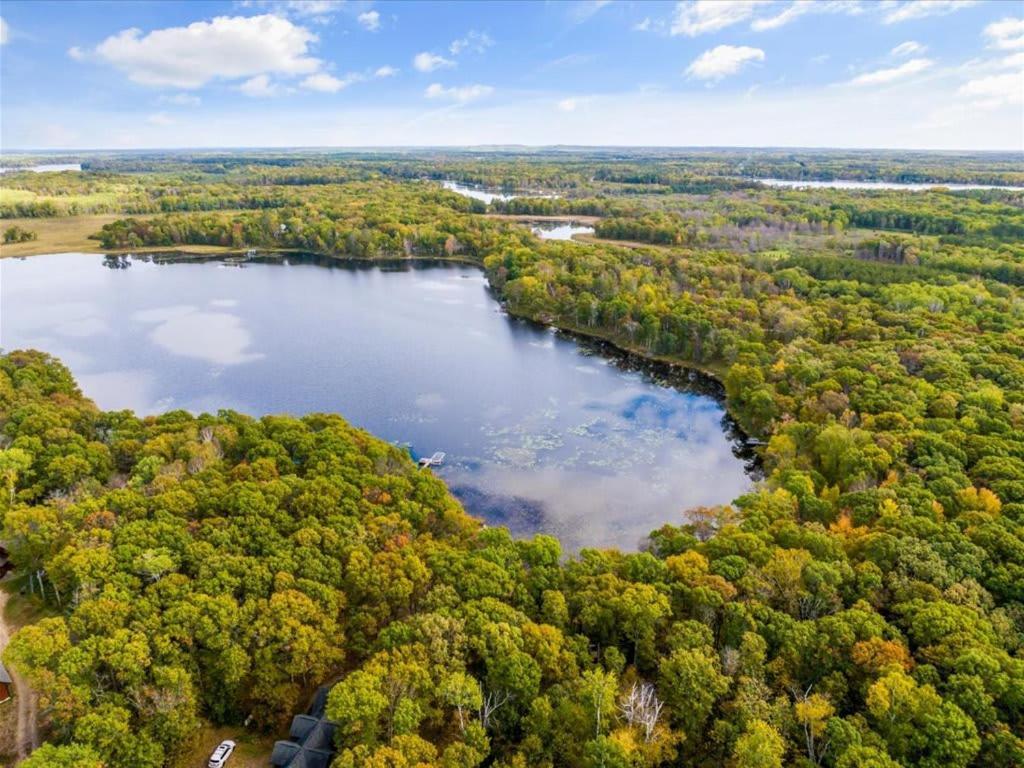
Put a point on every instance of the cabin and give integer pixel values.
(310, 742)
(6, 688)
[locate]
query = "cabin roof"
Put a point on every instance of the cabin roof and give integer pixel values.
(311, 738)
(5, 676)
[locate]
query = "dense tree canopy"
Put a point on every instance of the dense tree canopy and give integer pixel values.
(864, 606)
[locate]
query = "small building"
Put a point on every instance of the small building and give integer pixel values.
(6, 691)
(310, 741)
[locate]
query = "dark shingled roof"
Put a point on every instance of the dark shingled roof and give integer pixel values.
(311, 743)
(5, 676)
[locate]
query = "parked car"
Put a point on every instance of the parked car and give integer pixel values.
(220, 755)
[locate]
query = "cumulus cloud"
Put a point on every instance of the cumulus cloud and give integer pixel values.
(385, 71)
(474, 41)
(325, 83)
(702, 16)
(892, 74)
(3, 31)
(568, 105)
(909, 48)
(462, 94)
(258, 87)
(369, 20)
(1006, 34)
(428, 62)
(225, 48)
(722, 61)
(919, 9)
(160, 118)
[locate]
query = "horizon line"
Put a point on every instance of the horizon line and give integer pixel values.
(499, 147)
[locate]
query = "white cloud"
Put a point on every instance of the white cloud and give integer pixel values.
(227, 48)
(315, 8)
(798, 8)
(568, 105)
(77, 53)
(702, 16)
(1013, 61)
(793, 11)
(3, 31)
(892, 74)
(385, 71)
(160, 118)
(474, 41)
(182, 100)
(995, 90)
(463, 94)
(1006, 34)
(326, 83)
(909, 48)
(428, 62)
(723, 60)
(643, 26)
(919, 9)
(258, 87)
(369, 20)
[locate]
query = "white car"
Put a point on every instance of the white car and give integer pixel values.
(220, 755)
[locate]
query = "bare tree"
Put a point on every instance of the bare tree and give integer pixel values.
(493, 701)
(641, 706)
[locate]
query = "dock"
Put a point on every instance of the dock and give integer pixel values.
(433, 461)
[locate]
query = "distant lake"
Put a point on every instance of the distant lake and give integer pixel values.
(554, 230)
(45, 168)
(488, 195)
(849, 184)
(543, 433)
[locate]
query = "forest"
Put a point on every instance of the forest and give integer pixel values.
(862, 606)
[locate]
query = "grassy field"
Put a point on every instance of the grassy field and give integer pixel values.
(57, 235)
(253, 751)
(68, 234)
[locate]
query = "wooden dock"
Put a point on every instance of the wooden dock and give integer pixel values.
(433, 461)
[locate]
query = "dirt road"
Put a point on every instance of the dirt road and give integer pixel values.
(24, 697)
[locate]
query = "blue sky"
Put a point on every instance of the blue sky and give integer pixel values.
(941, 74)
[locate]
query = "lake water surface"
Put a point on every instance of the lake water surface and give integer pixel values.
(850, 184)
(543, 433)
(558, 230)
(488, 195)
(45, 168)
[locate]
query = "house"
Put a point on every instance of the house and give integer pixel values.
(6, 689)
(310, 741)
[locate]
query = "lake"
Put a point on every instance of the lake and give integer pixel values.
(45, 168)
(558, 230)
(850, 184)
(488, 195)
(543, 433)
